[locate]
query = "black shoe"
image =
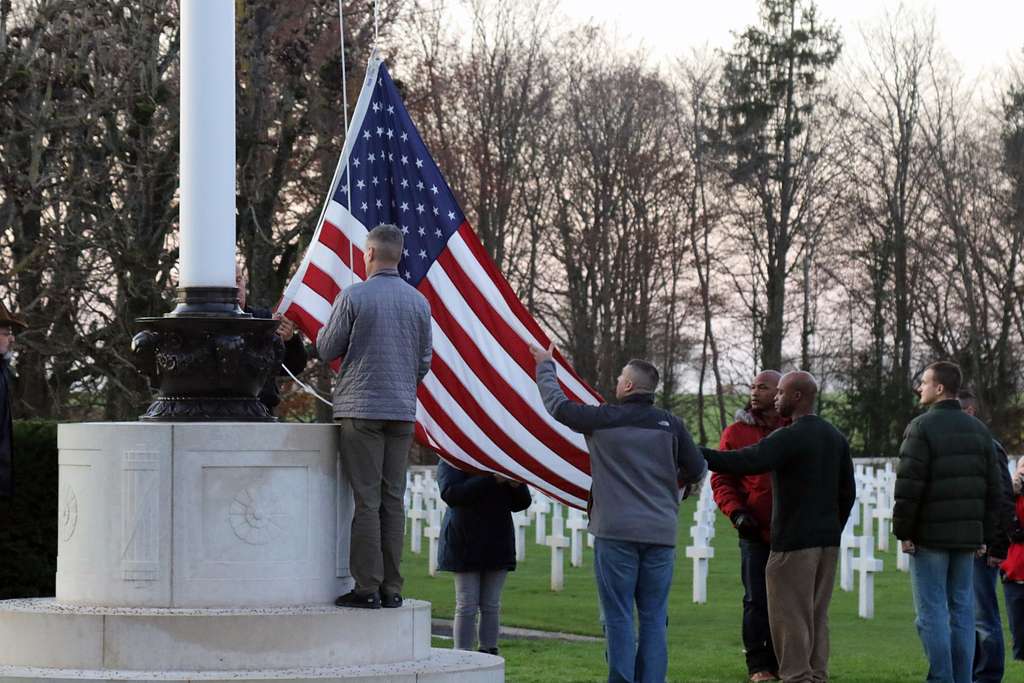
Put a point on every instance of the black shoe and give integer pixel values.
(489, 650)
(360, 600)
(391, 600)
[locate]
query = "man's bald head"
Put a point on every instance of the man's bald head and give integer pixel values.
(797, 393)
(762, 392)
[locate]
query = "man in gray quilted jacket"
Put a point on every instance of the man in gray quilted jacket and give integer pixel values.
(380, 329)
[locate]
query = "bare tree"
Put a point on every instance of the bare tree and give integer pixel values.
(887, 176)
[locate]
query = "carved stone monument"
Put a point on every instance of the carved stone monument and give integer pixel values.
(207, 542)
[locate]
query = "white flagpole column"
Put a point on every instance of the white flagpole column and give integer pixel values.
(207, 209)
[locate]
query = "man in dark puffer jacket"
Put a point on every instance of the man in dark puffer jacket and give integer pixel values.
(947, 498)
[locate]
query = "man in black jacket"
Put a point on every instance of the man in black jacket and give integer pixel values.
(812, 494)
(946, 509)
(294, 351)
(9, 326)
(989, 648)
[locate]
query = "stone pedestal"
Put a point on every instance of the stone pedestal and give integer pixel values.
(212, 551)
(201, 515)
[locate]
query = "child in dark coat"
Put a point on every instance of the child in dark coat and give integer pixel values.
(478, 544)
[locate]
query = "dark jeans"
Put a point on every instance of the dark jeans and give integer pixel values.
(1014, 594)
(989, 651)
(757, 635)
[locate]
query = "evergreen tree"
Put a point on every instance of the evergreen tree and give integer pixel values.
(772, 83)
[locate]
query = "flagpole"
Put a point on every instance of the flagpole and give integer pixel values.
(361, 104)
(376, 13)
(348, 168)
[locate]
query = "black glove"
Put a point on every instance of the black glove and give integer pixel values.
(746, 525)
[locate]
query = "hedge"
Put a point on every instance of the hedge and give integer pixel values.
(28, 520)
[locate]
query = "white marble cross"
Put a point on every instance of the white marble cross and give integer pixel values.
(867, 565)
(520, 520)
(417, 515)
(887, 498)
(407, 496)
(577, 524)
(902, 559)
(540, 508)
(884, 516)
(855, 511)
(848, 542)
(700, 552)
(433, 532)
(867, 524)
(558, 542)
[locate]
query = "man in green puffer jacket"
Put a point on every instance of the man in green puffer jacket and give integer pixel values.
(947, 501)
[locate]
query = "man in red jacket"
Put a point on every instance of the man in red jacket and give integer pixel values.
(747, 502)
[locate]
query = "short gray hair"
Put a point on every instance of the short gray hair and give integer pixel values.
(645, 374)
(388, 240)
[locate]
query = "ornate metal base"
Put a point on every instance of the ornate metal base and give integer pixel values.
(185, 409)
(207, 359)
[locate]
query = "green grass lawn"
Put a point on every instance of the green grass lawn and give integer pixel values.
(704, 640)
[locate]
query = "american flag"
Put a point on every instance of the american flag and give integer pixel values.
(479, 406)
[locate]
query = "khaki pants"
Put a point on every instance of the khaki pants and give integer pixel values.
(799, 585)
(374, 456)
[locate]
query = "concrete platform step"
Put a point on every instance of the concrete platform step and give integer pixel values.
(442, 666)
(45, 633)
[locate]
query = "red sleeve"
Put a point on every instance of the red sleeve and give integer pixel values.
(727, 488)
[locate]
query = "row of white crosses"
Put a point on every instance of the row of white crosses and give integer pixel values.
(703, 530)
(424, 506)
(425, 510)
(873, 503)
(561, 528)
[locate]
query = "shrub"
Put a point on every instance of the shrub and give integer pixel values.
(28, 520)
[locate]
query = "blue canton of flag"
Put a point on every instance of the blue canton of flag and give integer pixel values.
(395, 180)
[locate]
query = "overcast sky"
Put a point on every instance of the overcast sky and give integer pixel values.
(981, 35)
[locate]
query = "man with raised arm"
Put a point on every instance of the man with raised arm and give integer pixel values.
(812, 495)
(747, 501)
(639, 454)
(380, 329)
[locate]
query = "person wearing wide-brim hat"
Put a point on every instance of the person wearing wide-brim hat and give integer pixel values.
(9, 327)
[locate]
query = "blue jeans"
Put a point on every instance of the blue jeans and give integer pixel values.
(989, 650)
(757, 634)
(640, 572)
(1014, 594)
(944, 602)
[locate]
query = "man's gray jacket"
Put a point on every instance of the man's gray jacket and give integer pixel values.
(639, 455)
(380, 329)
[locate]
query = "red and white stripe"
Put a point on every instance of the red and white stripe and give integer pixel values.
(479, 406)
